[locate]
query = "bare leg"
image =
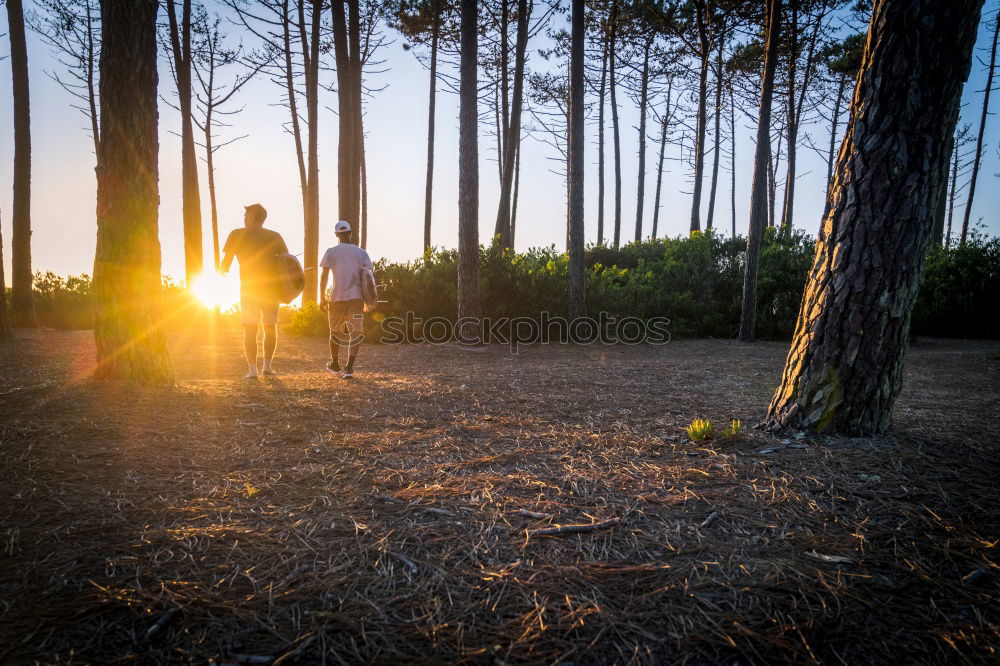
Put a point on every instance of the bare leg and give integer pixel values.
(250, 348)
(270, 343)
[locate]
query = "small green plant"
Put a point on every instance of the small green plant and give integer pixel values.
(701, 430)
(734, 430)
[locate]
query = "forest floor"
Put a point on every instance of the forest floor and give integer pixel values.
(391, 519)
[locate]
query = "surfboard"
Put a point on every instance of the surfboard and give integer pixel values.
(290, 278)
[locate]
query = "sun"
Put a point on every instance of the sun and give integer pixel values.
(215, 290)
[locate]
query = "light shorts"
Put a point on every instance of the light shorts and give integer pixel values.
(346, 320)
(254, 310)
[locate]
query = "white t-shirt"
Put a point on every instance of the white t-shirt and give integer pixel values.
(346, 261)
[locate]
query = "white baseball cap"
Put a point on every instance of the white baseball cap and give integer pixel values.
(341, 227)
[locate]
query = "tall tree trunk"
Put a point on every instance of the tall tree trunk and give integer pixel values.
(517, 183)
(577, 302)
(128, 323)
(311, 56)
(937, 235)
(982, 132)
(290, 91)
(664, 126)
(600, 145)
(180, 42)
(468, 177)
(504, 116)
(22, 309)
(431, 106)
(845, 367)
(772, 182)
(346, 40)
(732, 171)
(709, 221)
(953, 192)
(364, 190)
(792, 125)
(640, 195)
(5, 325)
(841, 85)
(91, 80)
(616, 134)
(699, 141)
(758, 190)
(210, 168)
(512, 133)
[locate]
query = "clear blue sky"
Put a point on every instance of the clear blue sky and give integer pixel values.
(262, 168)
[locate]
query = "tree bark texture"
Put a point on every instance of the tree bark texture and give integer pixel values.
(23, 313)
(128, 322)
(468, 175)
(577, 303)
(844, 369)
(347, 50)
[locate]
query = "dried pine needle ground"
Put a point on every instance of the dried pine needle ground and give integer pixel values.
(403, 517)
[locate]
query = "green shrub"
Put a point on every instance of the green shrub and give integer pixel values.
(960, 291)
(695, 282)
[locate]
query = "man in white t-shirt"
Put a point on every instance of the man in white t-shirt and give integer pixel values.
(345, 306)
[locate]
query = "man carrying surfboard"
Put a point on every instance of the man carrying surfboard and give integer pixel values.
(257, 249)
(345, 308)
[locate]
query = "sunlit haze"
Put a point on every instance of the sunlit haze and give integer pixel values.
(261, 168)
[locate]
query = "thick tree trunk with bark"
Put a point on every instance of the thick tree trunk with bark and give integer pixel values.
(761, 168)
(615, 128)
(180, 43)
(22, 309)
(347, 50)
(640, 194)
(128, 322)
(512, 133)
(431, 108)
(577, 302)
(468, 177)
(977, 160)
(845, 366)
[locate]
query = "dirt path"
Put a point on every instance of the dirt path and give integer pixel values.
(382, 520)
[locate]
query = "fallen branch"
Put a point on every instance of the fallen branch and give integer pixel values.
(712, 517)
(560, 530)
(162, 622)
(533, 514)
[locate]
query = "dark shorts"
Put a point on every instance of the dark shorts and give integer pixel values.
(255, 310)
(347, 320)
